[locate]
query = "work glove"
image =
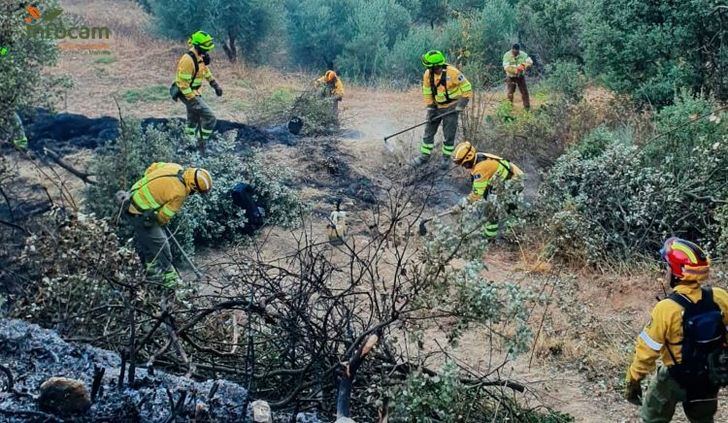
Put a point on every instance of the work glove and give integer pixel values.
(462, 104)
(633, 392)
(217, 88)
(431, 112)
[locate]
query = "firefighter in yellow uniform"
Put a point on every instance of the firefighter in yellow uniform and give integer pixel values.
(192, 69)
(446, 93)
(155, 199)
(683, 331)
(333, 88)
(484, 169)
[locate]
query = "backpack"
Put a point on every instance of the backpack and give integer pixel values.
(174, 90)
(703, 342)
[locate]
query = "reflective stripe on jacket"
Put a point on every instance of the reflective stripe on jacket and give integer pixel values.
(160, 190)
(665, 328)
(185, 71)
(455, 86)
(487, 168)
(511, 63)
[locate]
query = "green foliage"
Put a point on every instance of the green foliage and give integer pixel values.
(376, 25)
(652, 49)
(317, 30)
(446, 398)
(203, 219)
(404, 62)
(551, 29)
(235, 24)
(567, 79)
(69, 264)
(608, 198)
(150, 93)
(23, 84)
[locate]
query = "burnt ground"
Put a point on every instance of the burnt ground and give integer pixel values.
(33, 354)
(65, 133)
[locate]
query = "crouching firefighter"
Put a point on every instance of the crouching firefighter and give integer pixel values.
(687, 330)
(154, 200)
(192, 69)
(484, 170)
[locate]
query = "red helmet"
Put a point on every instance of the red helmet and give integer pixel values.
(686, 260)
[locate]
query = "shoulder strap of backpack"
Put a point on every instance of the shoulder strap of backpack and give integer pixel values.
(197, 66)
(433, 87)
(682, 300)
(179, 175)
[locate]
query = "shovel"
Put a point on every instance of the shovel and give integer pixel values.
(184, 254)
(423, 229)
(413, 127)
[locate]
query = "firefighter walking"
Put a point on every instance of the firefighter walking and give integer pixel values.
(192, 70)
(687, 331)
(446, 93)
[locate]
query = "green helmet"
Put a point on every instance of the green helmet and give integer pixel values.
(203, 40)
(433, 58)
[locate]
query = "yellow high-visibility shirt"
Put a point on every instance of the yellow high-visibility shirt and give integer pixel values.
(487, 168)
(665, 328)
(511, 62)
(161, 190)
(185, 71)
(456, 86)
(336, 89)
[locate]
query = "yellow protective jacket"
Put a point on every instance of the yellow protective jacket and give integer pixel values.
(511, 63)
(488, 167)
(185, 71)
(665, 328)
(442, 93)
(161, 190)
(335, 89)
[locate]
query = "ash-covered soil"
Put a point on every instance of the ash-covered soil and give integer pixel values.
(33, 354)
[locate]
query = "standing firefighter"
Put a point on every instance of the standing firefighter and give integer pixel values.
(484, 170)
(192, 69)
(446, 92)
(155, 199)
(515, 63)
(333, 88)
(687, 331)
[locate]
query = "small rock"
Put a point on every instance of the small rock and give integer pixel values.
(64, 396)
(261, 412)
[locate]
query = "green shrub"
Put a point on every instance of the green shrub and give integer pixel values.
(653, 49)
(151, 93)
(23, 84)
(404, 60)
(608, 198)
(446, 398)
(204, 219)
(566, 79)
(376, 24)
(317, 30)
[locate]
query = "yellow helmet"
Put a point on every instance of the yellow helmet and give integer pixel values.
(330, 75)
(464, 153)
(197, 179)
